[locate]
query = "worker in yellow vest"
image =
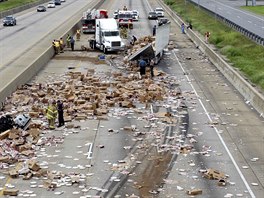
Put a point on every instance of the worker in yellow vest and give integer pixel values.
(61, 45)
(51, 114)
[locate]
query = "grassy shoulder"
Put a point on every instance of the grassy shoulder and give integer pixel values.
(243, 53)
(7, 5)
(255, 9)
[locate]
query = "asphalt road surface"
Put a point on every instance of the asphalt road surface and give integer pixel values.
(224, 131)
(230, 10)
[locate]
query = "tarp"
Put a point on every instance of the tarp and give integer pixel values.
(146, 52)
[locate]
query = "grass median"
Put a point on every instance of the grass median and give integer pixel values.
(7, 5)
(242, 53)
(255, 9)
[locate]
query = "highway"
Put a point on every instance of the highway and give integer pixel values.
(224, 131)
(230, 10)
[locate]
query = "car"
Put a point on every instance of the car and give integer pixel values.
(57, 2)
(115, 15)
(135, 15)
(62, 1)
(41, 8)
(152, 15)
(162, 21)
(51, 5)
(159, 12)
(9, 20)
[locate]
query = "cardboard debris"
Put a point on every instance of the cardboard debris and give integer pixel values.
(214, 174)
(32, 165)
(13, 173)
(194, 192)
(5, 134)
(11, 192)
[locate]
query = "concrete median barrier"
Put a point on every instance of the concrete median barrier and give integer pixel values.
(25, 68)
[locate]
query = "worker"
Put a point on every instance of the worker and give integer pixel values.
(142, 67)
(72, 41)
(122, 32)
(154, 30)
(133, 40)
(151, 65)
(61, 45)
(125, 8)
(60, 113)
(68, 40)
(125, 33)
(78, 34)
(54, 47)
(51, 114)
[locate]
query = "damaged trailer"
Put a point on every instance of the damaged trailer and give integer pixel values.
(155, 49)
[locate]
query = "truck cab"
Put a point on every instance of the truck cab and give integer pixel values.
(107, 36)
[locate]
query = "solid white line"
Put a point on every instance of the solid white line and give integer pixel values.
(218, 134)
(90, 147)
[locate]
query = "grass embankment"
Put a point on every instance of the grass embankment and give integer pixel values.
(255, 9)
(243, 53)
(7, 5)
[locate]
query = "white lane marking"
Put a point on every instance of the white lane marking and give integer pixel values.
(250, 21)
(90, 152)
(150, 8)
(218, 134)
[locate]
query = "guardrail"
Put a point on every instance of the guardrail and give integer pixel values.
(255, 98)
(254, 37)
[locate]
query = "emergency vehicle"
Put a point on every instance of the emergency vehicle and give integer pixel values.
(125, 19)
(89, 17)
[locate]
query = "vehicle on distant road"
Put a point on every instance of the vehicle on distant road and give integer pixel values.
(41, 8)
(152, 15)
(115, 15)
(160, 12)
(57, 2)
(62, 1)
(135, 15)
(51, 5)
(9, 20)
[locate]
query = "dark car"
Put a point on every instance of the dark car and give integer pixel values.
(57, 2)
(9, 20)
(162, 21)
(41, 9)
(152, 15)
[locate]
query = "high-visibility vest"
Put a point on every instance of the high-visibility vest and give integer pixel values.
(61, 42)
(57, 44)
(51, 112)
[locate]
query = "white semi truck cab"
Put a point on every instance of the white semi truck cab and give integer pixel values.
(107, 36)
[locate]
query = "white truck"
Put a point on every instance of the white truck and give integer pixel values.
(154, 50)
(107, 36)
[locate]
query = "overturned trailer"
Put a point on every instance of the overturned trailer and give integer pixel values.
(155, 49)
